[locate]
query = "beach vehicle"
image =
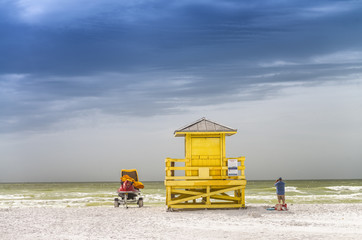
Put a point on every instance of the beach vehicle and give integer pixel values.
(129, 191)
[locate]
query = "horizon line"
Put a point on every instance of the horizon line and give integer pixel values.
(315, 179)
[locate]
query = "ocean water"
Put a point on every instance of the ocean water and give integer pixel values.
(103, 193)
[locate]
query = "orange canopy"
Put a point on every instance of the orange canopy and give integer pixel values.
(135, 183)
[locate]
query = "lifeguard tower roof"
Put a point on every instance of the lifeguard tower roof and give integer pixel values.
(204, 125)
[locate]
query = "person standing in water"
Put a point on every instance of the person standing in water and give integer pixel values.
(280, 185)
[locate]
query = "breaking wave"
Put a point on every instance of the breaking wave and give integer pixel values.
(345, 188)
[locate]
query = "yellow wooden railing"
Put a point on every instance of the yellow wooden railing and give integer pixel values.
(203, 172)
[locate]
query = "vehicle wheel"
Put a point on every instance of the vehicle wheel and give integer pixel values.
(116, 203)
(140, 202)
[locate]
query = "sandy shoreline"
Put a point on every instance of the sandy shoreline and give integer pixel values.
(322, 221)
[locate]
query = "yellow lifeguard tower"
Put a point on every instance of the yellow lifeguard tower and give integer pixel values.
(210, 180)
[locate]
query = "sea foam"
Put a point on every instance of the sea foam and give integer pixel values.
(292, 189)
(345, 188)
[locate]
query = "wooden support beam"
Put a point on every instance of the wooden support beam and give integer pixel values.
(226, 198)
(198, 178)
(243, 196)
(176, 160)
(204, 183)
(208, 195)
(180, 197)
(187, 193)
(197, 168)
(204, 195)
(168, 194)
(213, 205)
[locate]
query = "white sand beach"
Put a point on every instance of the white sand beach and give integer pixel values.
(302, 221)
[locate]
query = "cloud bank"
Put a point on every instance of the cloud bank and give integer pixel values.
(63, 60)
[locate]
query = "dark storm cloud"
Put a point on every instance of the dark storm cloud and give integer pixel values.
(61, 59)
(121, 37)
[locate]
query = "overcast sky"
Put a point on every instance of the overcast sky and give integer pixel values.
(90, 87)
